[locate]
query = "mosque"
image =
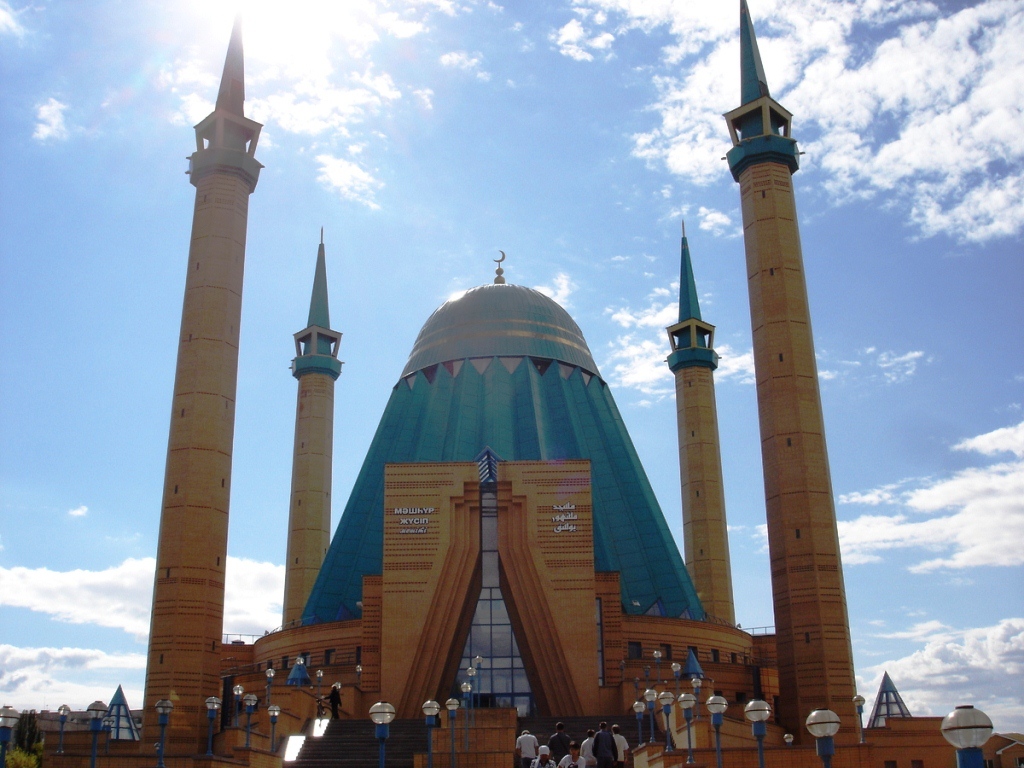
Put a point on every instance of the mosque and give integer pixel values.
(502, 546)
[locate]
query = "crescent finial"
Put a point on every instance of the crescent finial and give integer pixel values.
(498, 279)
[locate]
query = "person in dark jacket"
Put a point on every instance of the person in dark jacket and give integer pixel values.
(604, 747)
(559, 743)
(335, 699)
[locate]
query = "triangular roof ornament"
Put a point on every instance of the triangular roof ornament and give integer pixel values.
(231, 96)
(299, 675)
(888, 703)
(122, 726)
(689, 308)
(487, 463)
(692, 669)
(753, 83)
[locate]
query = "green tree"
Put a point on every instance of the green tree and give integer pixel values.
(26, 744)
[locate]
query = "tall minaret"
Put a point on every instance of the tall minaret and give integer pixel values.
(812, 629)
(316, 366)
(705, 536)
(188, 597)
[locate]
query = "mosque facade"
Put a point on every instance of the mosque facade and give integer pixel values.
(502, 532)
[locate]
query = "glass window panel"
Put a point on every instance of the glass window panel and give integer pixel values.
(519, 681)
(483, 612)
(502, 681)
(499, 612)
(480, 641)
(490, 569)
(503, 663)
(501, 639)
(489, 533)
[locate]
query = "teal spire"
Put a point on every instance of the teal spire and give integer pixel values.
(753, 83)
(689, 309)
(316, 347)
(319, 313)
(231, 96)
(692, 339)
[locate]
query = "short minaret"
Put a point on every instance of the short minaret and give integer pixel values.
(812, 629)
(317, 367)
(184, 660)
(705, 536)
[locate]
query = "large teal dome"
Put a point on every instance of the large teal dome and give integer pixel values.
(504, 367)
(502, 320)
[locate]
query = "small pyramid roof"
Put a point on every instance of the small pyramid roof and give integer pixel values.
(888, 703)
(123, 727)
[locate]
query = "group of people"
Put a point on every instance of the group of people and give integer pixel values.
(604, 748)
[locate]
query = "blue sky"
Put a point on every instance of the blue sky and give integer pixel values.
(426, 135)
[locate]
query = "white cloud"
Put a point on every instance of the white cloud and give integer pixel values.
(50, 117)
(898, 368)
(972, 518)
(349, 180)
(981, 666)
(637, 359)
(945, 139)
(466, 62)
(715, 222)
(9, 24)
(120, 596)
(45, 678)
(572, 41)
(560, 291)
(80, 511)
(1004, 440)
(425, 96)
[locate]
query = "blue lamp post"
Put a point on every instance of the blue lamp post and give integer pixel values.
(452, 705)
(666, 698)
(250, 706)
(382, 713)
(823, 725)
(270, 679)
(430, 710)
(163, 711)
(238, 690)
(858, 702)
(677, 671)
(657, 664)
(63, 710)
(638, 707)
(757, 712)
(108, 726)
(967, 729)
(212, 706)
(467, 693)
(716, 706)
(8, 719)
(687, 702)
(650, 696)
(96, 711)
(319, 680)
(275, 712)
(471, 671)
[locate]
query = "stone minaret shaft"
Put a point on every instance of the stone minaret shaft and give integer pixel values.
(188, 597)
(316, 366)
(705, 535)
(815, 658)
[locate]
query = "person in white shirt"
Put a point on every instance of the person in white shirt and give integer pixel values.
(587, 748)
(526, 749)
(574, 759)
(621, 746)
(543, 758)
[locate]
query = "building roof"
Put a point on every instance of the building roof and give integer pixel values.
(888, 703)
(503, 320)
(505, 367)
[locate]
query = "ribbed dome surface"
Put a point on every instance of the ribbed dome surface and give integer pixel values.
(504, 367)
(500, 320)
